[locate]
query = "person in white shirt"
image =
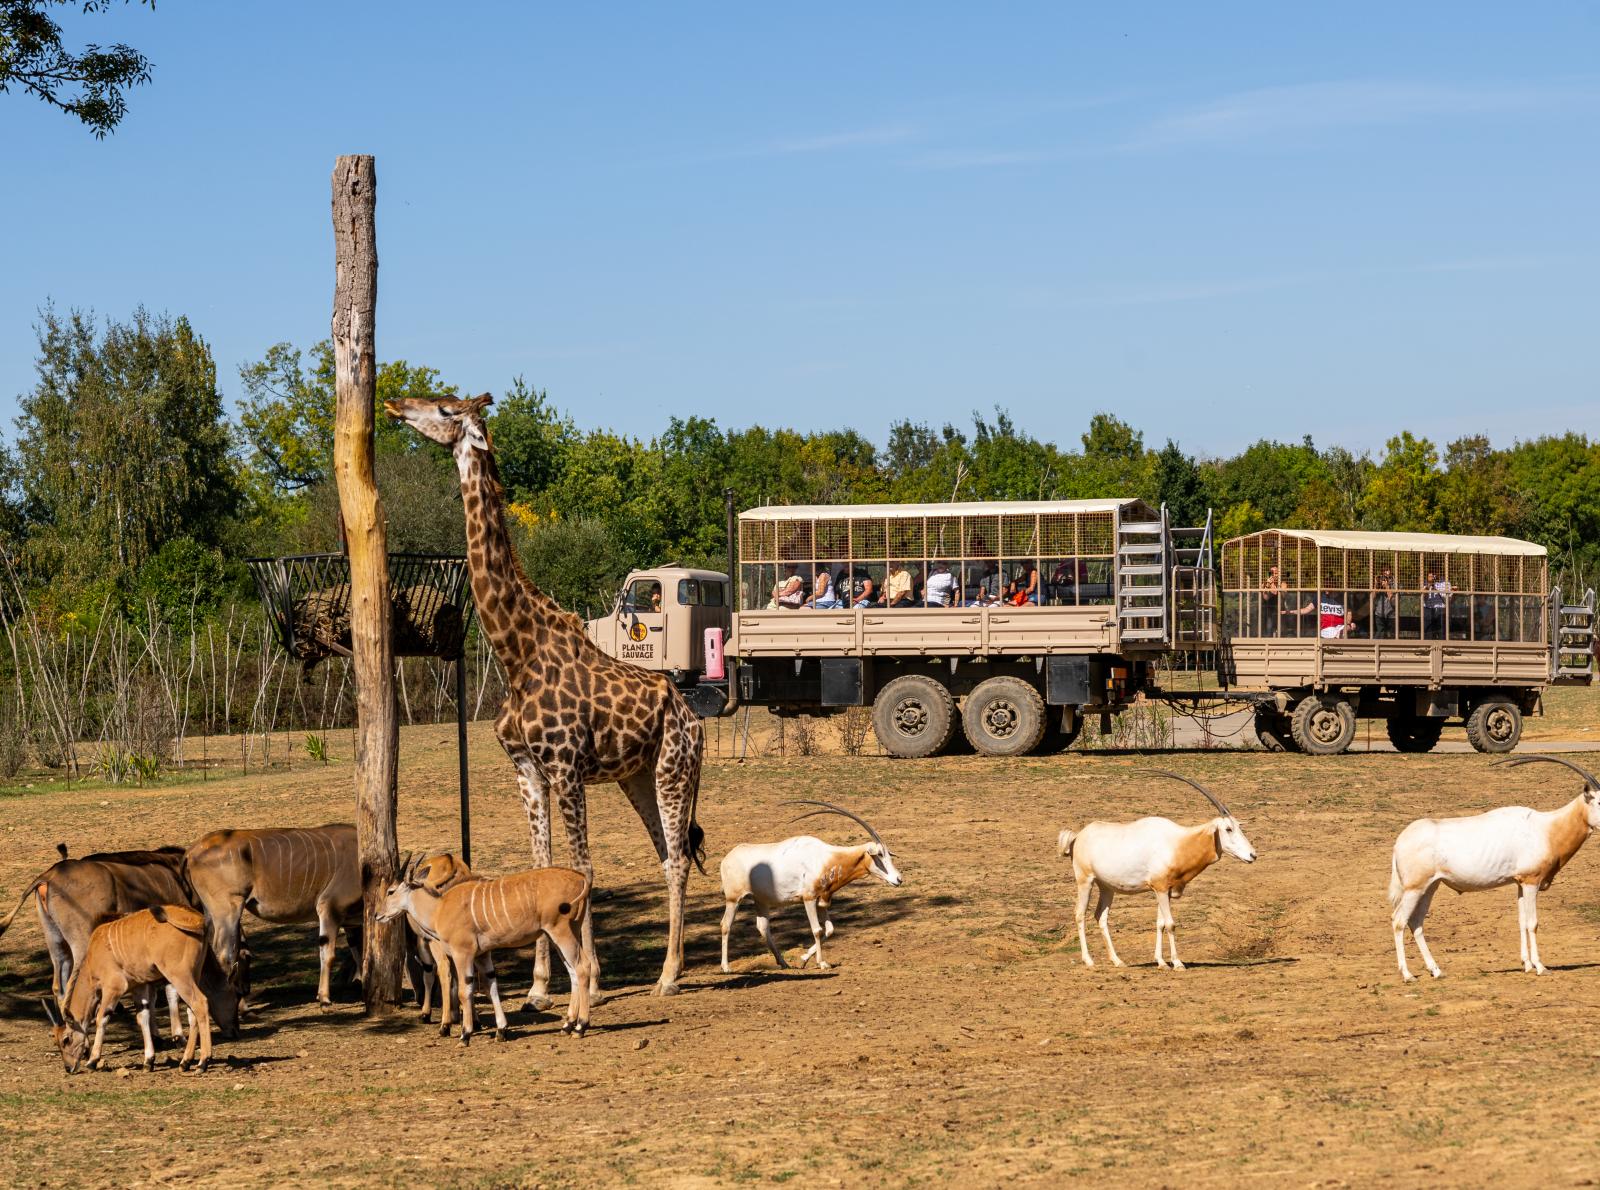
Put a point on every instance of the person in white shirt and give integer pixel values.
(941, 586)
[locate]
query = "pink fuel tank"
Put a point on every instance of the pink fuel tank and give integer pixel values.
(714, 669)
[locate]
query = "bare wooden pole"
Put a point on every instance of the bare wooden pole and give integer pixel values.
(377, 743)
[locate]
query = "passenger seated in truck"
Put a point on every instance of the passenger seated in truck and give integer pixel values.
(866, 593)
(1025, 587)
(1333, 621)
(822, 595)
(941, 586)
(987, 593)
(898, 591)
(1063, 585)
(790, 593)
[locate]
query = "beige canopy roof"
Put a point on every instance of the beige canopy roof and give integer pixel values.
(974, 508)
(1432, 543)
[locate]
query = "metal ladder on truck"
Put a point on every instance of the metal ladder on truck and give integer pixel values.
(1143, 597)
(1572, 651)
(1194, 587)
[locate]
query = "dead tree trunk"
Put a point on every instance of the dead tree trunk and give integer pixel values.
(355, 297)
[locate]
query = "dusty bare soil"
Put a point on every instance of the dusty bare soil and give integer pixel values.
(958, 1041)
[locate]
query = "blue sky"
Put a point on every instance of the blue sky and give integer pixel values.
(1221, 221)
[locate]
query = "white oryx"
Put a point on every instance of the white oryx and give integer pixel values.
(1152, 853)
(803, 869)
(1511, 845)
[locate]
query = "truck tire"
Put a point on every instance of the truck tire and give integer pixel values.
(1004, 717)
(1414, 734)
(1495, 725)
(913, 717)
(1272, 729)
(1323, 725)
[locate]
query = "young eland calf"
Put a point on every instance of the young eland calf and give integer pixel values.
(1152, 853)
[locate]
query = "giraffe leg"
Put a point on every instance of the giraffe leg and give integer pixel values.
(677, 784)
(570, 797)
(536, 804)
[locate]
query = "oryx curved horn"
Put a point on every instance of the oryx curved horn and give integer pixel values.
(830, 808)
(1209, 796)
(1512, 762)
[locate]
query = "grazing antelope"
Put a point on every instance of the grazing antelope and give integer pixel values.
(1511, 845)
(135, 954)
(76, 895)
(803, 869)
(293, 874)
(428, 959)
(474, 916)
(1152, 853)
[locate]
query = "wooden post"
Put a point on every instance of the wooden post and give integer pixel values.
(355, 297)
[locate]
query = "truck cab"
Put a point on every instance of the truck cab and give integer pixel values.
(660, 622)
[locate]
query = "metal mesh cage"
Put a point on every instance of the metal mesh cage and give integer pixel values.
(1058, 533)
(868, 539)
(307, 599)
(1097, 534)
(758, 541)
(794, 541)
(944, 537)
(983, 536)
(905, 538)
(833, 540)
(1019, 535)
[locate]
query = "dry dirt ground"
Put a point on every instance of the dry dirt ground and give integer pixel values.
(958, 1041)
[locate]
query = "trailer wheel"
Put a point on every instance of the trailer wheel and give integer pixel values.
(1273, 731)
(1414, 734)
(1004, 717)
(913, 717)
(1323, 725)
(1495, 725)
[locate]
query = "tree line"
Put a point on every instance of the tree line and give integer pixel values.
(134, 487)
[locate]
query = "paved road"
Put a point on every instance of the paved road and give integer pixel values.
(1236, 729)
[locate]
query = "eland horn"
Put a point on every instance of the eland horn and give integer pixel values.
(1209, 796)
(50, 1013)
(1512, 762)
(830, 808)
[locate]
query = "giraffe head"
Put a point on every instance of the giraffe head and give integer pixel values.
(446, 420)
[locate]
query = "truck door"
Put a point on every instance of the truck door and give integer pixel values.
(642, 624)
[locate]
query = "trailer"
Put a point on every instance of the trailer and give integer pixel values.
(1321, 628)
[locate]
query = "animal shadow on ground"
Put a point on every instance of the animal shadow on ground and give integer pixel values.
(630, 929)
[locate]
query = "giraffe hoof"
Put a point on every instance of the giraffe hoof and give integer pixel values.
(666, 989)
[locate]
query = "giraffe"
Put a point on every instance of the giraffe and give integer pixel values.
(572, 715)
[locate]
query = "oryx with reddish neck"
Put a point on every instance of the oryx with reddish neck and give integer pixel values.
(1511, 845)
(1152, 853)
(801, 869)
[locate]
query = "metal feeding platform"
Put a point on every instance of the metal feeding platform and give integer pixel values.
(307, 601)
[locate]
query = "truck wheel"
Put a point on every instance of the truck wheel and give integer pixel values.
(1495, 725)
(1414, 734)
(913, 716)
(1323, 725)
(1004, 717)
(1273, 731)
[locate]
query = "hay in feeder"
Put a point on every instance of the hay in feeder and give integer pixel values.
(424, 623)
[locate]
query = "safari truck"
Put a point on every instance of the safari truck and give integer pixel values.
(661, 622)
(1321, 628)
(1009, 619)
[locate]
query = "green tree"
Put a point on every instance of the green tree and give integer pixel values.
(531, 439)
(1476, 493)
(1269, 475)
(1403, 495)
(121, 444)
(89, 84)
(579, 563)
(287, 413)
(1180, 486)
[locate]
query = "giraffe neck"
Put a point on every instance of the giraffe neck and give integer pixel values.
(506, 600)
